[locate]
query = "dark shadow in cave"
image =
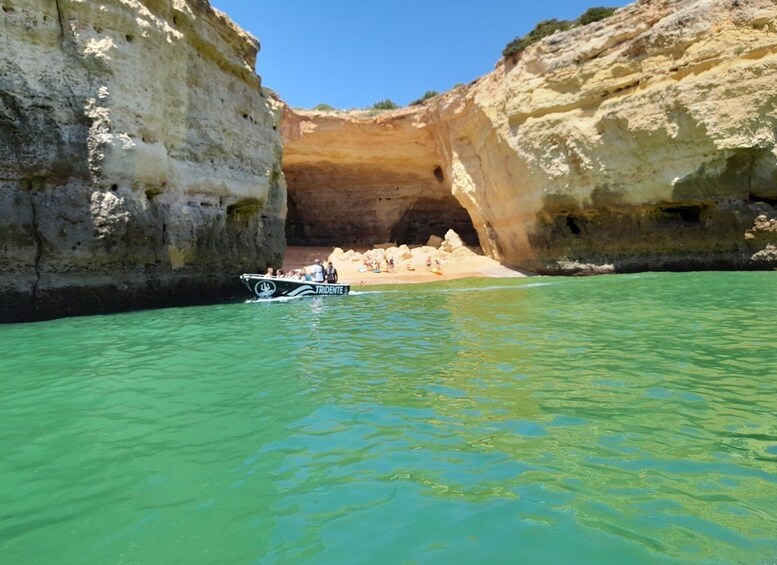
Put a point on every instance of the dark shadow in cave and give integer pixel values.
(429, 217)
(295, 227)
(423, 218)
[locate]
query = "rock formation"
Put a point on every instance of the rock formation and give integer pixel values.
(643, 141)
(139, 157)
(365, 180)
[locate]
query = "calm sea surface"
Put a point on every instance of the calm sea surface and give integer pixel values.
(619, 419)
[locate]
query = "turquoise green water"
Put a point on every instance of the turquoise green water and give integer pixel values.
(622, 419)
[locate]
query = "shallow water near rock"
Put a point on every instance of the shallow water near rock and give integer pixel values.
(617, 419)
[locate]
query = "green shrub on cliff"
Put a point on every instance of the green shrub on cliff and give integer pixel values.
(427, 95)
(548, 27)
(323, 107)
(540, 31)
(595, 14)
(385, 105)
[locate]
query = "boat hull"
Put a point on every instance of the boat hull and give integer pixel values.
(265, 288)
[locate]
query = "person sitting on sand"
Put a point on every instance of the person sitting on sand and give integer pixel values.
(428, 263)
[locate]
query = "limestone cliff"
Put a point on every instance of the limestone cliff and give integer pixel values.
(643, 141)
(358, 181)
(139, 157)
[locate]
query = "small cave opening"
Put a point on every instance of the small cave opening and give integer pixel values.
(574, 228)
(770, 200)
(428, 217)
(243, 211)
(690, 214)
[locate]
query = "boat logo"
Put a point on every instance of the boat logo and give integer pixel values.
(265, 289)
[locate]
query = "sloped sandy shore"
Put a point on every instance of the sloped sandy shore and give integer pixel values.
(411, 270)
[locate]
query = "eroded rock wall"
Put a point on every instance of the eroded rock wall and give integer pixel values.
(643, 141)
(361, 180)
(139, 159)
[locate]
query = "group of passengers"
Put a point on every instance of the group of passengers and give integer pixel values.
(318, 273)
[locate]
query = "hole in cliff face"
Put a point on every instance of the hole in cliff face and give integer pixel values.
(770, 200)
(153, 191)
(438, 174)
(690, 214)
(243, 211)
(572, 225)
(429, 217)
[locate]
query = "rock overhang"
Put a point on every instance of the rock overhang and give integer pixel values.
(645, 140)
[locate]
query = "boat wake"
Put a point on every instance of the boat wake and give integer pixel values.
(278, 299)
(493, 288)
(363, 292)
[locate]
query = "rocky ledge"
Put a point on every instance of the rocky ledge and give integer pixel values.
(645, 141)
(140, 163)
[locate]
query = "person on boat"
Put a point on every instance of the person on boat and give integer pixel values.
(270, 272)
(317, 273)
(330, 273)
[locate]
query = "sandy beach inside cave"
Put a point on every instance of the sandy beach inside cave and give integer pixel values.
(457, 266)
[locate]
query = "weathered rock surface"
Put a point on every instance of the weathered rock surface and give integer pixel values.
(365, 180)
(139, 157)
(643, 141)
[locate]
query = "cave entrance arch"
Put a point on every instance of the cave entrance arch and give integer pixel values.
(428, 217)
(326, 217)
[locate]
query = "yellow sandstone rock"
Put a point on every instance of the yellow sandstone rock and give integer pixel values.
(140, 162)
(642, 141)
